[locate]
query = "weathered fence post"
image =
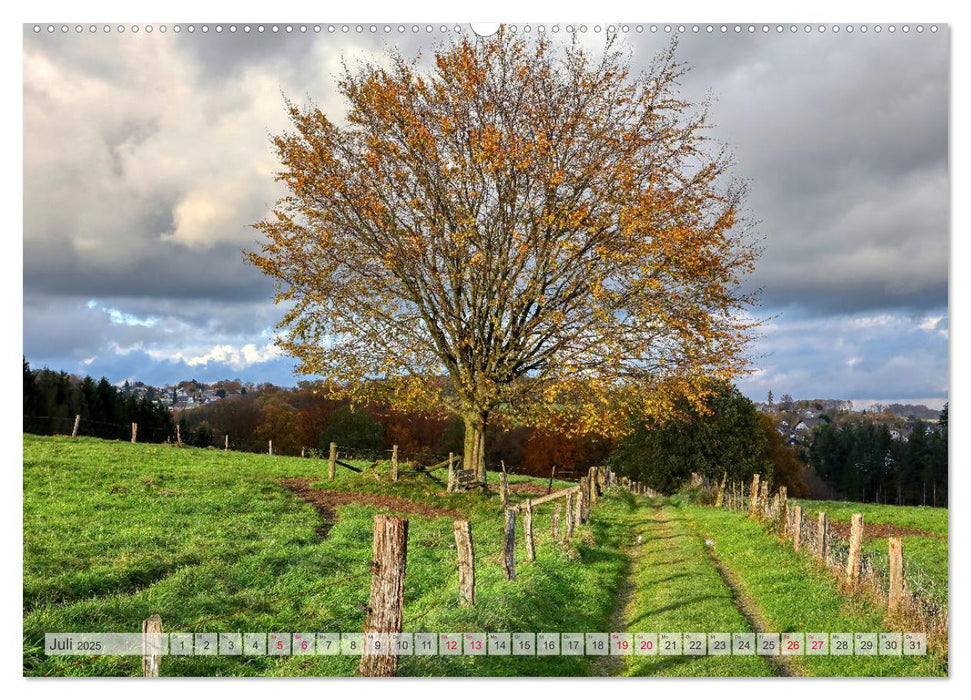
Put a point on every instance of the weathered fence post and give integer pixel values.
(303, 452)
(822, 533)
(895, 599)
(570, 516)
(134, 432)
(584, 495)
(503, 487)
(796, 527)
(270, 451)
(332, 461)
(226, 448)
(466, 554)
(555, 526)
(151, 646)
(451, 473)
(387, 592)
(509, 546)
(394, 463)
(528, 530)
(721, 491)
(856, 542)
(178, 435)
(753, 506)
(784, 510)
(77, 423)
(764, 499)
(592, 484)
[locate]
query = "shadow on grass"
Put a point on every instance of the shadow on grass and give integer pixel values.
(675, 606)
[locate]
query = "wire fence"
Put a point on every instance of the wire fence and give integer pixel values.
(87, 427)
(928, 597)
(204, 436)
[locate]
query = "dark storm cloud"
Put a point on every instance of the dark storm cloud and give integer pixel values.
(219, 274)
(843, 139)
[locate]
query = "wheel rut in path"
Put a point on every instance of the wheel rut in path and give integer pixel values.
(675, 585)
(617, 665)
(752, 611)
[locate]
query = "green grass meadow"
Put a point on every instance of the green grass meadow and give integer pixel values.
(212, 542)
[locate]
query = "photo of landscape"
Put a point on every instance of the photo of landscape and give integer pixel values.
(460, 350)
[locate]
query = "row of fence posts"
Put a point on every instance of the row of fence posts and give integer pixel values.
(790, 525)
(331, 460)
(385, 612)
(134, 433)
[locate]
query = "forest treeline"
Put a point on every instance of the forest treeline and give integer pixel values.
(862, 461)
(52, 400)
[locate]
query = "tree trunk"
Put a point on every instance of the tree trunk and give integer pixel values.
(474, 458)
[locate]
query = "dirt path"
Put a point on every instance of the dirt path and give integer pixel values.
(617, 665)
(326, 503)
(749, 607)
(676, 587)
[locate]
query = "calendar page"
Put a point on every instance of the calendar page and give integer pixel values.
(451, 349)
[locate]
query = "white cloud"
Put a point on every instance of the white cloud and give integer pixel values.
(235, 357)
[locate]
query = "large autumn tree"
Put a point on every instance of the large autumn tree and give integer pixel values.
(520, 229)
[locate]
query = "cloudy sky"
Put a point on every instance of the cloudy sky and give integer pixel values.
(146, 158)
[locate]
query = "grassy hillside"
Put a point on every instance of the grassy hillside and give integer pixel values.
(213, 543)
(218, 542)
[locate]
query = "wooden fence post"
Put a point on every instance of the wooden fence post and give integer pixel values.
(384, 615)
(721, 491)
(451, 473)
(503, 487)
(394, 463)
(764, 499)
(134, 432)
(466, 554)
(528, 531)
(555, 527)
(570, 516)
(856, 542)
(303, 452)
(151, 646)
(784, 510)
(753, 506)
(822, 533)
(582, 501)
(332, 461)
(895, 601)
(270, 452)
(178, 435)
(592, 484)
(796, 527)
(226, 448)
(509, 546)
(77, 423)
